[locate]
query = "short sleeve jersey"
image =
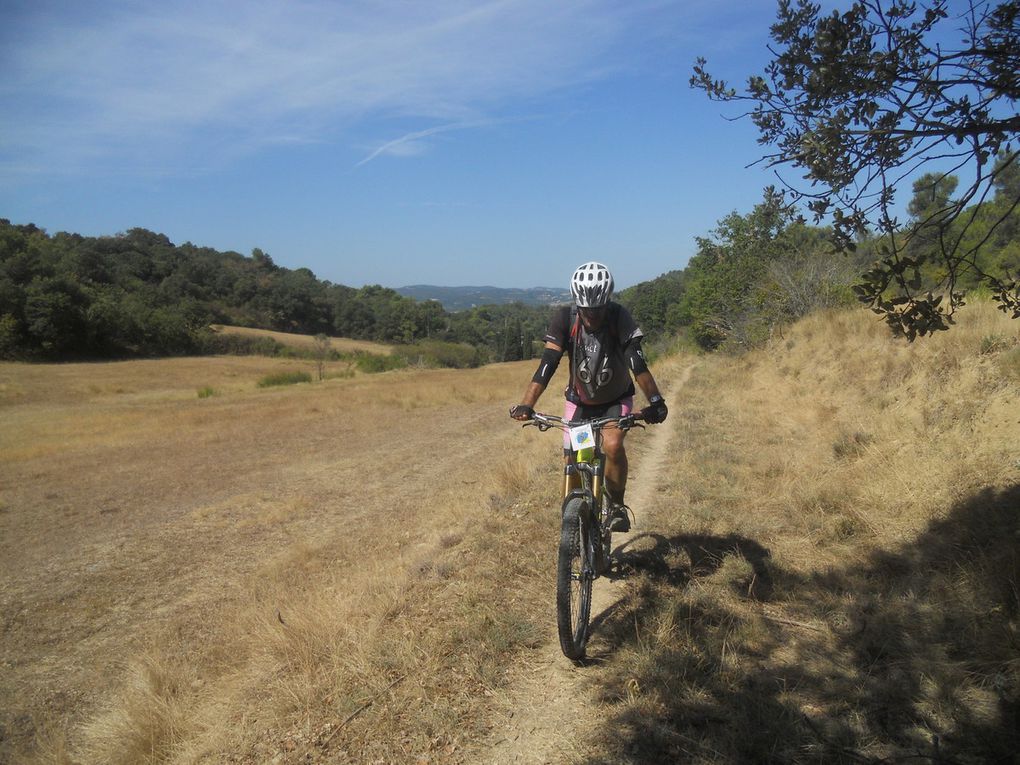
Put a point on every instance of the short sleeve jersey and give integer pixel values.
(598, 368)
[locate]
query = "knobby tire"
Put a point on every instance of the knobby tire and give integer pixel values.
(573, 578)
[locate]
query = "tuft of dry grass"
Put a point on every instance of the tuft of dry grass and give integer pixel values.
(834, 576)
(151, 715)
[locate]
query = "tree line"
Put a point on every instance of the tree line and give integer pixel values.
(137, 294)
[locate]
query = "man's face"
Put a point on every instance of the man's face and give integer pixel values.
(592, 318)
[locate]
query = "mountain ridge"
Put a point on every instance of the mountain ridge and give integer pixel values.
(464, 298)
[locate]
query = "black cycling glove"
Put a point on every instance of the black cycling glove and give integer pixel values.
(518, 410)
(656, 410)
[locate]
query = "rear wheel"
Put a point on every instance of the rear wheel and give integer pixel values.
(574, 574)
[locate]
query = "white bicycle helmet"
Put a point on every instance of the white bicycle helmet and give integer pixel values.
(591, 285)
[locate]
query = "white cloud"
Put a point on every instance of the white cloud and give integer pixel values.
(161, 83)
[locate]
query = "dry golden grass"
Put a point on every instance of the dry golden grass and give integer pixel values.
(835, 578)
(267, 573)
(340, 344)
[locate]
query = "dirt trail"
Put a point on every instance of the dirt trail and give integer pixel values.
(548, 699)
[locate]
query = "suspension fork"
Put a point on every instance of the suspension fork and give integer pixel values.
(572, 474)
(594, 536)
(590, 490)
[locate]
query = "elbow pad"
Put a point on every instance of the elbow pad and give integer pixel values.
(547, 366)
(635, 358)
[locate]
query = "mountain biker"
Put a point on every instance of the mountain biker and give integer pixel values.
(603, 343)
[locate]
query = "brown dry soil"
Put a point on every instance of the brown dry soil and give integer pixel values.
(132, 511)
(129, 506)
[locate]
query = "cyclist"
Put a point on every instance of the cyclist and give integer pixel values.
(603, 343)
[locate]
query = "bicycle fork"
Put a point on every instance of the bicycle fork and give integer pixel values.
(595, 536)
(573, 477)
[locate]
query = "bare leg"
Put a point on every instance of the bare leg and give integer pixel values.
(616, 463)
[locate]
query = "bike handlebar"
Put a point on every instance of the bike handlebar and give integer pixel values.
(545, 421)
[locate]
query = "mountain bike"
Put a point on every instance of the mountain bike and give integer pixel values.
(585, 536)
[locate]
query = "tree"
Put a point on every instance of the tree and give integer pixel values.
(863, 101)
(10, 337)
(650, 302)
(322, 346)
(933, 194)
(54, 317)
(721, 302)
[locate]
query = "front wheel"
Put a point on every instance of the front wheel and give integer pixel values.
(574, 575)
(604, 545)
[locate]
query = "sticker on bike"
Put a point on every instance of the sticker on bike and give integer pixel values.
(582, 438)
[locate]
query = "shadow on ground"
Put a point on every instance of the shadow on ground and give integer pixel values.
(719, 654)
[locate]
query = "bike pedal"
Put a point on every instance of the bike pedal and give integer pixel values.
(620, 519)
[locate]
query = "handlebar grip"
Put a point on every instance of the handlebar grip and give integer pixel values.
(542, 426)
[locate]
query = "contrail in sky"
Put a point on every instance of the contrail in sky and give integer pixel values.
(394, 146)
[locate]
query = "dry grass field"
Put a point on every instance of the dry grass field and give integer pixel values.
(824, 567)
(230, 578)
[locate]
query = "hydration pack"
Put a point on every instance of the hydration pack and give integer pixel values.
(581, 367)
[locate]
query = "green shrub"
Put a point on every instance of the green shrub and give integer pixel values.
(206, 392)
(285, 378)
(436, 353)
(372, 363)
(212, 343)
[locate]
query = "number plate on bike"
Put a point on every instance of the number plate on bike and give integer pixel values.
(582, 438)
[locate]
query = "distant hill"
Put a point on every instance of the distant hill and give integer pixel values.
(463, 298)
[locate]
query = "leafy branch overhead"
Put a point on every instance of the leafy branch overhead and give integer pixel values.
(868, 99)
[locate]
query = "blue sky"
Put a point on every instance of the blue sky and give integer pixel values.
(380, 142)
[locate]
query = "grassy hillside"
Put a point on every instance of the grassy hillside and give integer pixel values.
(358, 569)
(833, 574)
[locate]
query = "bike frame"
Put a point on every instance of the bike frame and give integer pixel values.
(588, 466)
(586, 536)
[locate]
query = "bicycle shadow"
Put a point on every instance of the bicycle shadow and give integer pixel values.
(677, 561)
